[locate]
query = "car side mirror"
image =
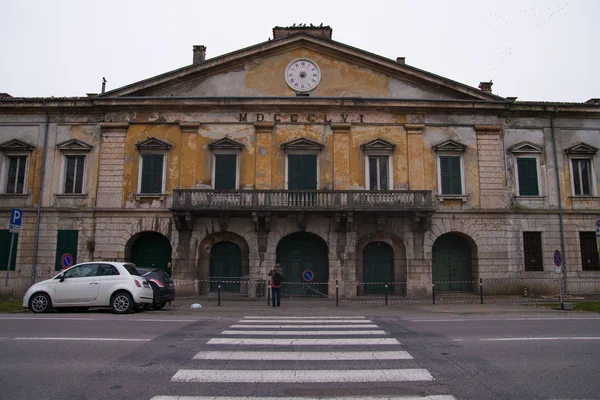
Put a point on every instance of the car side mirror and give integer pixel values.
(62, 278)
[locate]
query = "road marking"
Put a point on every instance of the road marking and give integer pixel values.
(541, 338)
(300, 376)
(304, 342)
(124, 319)
(303, 333)
(504, 319)
(84, 339)
(305, 326)
(329, 317)
(433, 397)
(309, 321)
(303, 356)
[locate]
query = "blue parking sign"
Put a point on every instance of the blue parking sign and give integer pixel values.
(16, 216)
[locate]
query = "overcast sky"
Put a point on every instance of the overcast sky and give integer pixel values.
(544, 50)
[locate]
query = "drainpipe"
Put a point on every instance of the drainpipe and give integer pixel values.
(40, 198)
(560, 209)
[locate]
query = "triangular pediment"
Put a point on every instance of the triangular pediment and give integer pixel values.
(378, 145)
(450, 146)
(525, 147)
(225, 144)
(153, 143)
(582, 148)
(259, 71)
(74, 145)
(302, 144)
(16, 145)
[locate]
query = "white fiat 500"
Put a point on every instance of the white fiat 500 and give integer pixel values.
(91, 284)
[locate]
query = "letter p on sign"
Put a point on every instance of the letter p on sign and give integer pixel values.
(15, 220)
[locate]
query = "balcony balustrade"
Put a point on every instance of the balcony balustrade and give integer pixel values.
(301, 200)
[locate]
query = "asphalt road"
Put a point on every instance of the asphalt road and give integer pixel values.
(159, 356)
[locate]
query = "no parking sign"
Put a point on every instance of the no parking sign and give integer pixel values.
(307, 275)
(66, 261)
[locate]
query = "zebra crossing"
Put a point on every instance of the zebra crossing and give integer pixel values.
(265, 341)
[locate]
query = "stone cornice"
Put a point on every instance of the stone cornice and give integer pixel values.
(341, 127)
(264, 127)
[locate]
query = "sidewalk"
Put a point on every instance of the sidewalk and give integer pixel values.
(327, 307)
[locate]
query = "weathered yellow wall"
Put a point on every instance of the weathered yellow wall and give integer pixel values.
(338, 78)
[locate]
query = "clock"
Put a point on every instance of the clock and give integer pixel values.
(302, 75)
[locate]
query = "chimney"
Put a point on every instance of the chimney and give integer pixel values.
(199, 54)
(401, 60)
(324, 32)
(486, 86)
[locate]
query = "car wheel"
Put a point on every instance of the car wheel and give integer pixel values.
(121, 303)
(158, 306)
(40, 303)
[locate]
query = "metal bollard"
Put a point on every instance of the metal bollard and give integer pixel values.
(386, 293)
(219, 293)
(481, 290)
(433, 291)
(337, 294)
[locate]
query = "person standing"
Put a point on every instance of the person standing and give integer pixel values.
(276, 275)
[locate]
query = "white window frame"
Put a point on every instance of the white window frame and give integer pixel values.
(592, 175)
(164, 172)
(63, 173)
(214, 166)
(5, 166)
(296, 152)
(538, 172)
(462, 173)
(390, 179)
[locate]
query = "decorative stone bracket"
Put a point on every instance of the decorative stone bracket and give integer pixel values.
(421, 222)
(184, 221)
(344, 222)
(301, 221)
(261, 221)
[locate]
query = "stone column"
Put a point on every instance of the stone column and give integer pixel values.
(264, 154)
(110, 168)
(341, 156)
(492, 176)
(416, 167)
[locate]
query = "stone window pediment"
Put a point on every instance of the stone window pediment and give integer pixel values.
(74, 146)
(16, 145)
(582, 149)
(450, 146)
(226, 144)
(378, 146)
(302, 144)
(525, 147)
(153, 143)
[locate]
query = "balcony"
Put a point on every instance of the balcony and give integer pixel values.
(202, 200)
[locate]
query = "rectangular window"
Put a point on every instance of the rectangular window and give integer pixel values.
(302, 172)
(74, 174)
(450, 175)
(532, 249)
(528, 177)
(225, 171)
(589, 251)
(15, 180)
(582, 173)
(152, 173)
(5, 249)
(378, 173)
(66, 249)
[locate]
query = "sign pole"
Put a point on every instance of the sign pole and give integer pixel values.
(558, 260)
(12, 242)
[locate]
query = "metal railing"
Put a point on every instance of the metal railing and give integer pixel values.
(347, 200)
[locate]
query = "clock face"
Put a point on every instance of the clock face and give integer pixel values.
(302, 75)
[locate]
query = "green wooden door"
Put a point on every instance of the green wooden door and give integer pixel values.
(452, 264)
(225, 170)
(5, 238)
(225, 265)
(151, 250)
(300, 252)
(378, 267)
(66, 249)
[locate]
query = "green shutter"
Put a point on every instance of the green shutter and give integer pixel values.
(527, 173)
(309, 172)
(294, 172)
(146, 173)
(66, 244)
(5, 237)
(152, 173)
(225, 171)
(450, 175)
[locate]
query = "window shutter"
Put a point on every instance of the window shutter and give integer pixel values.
(383, 173)
(5, 249)
(66, 243)
(309, 172)
(79, 174)
(70, 176)
(157, 173)
(294, 172)
(21, 174)
(12, 174)
(225, 171)
(146, 173)
(527, 172)
(450, 175)
(373, 173)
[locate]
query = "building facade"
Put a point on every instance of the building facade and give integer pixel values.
(337, 163)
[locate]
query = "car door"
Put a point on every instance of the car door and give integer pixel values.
(109, 278)
(78, 286)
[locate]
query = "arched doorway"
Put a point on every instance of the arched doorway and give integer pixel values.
(452, 263)
(378, 267)
(226, 266)
(301, 252)
(151, 249)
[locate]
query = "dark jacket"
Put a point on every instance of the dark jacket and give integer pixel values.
(272, 273)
